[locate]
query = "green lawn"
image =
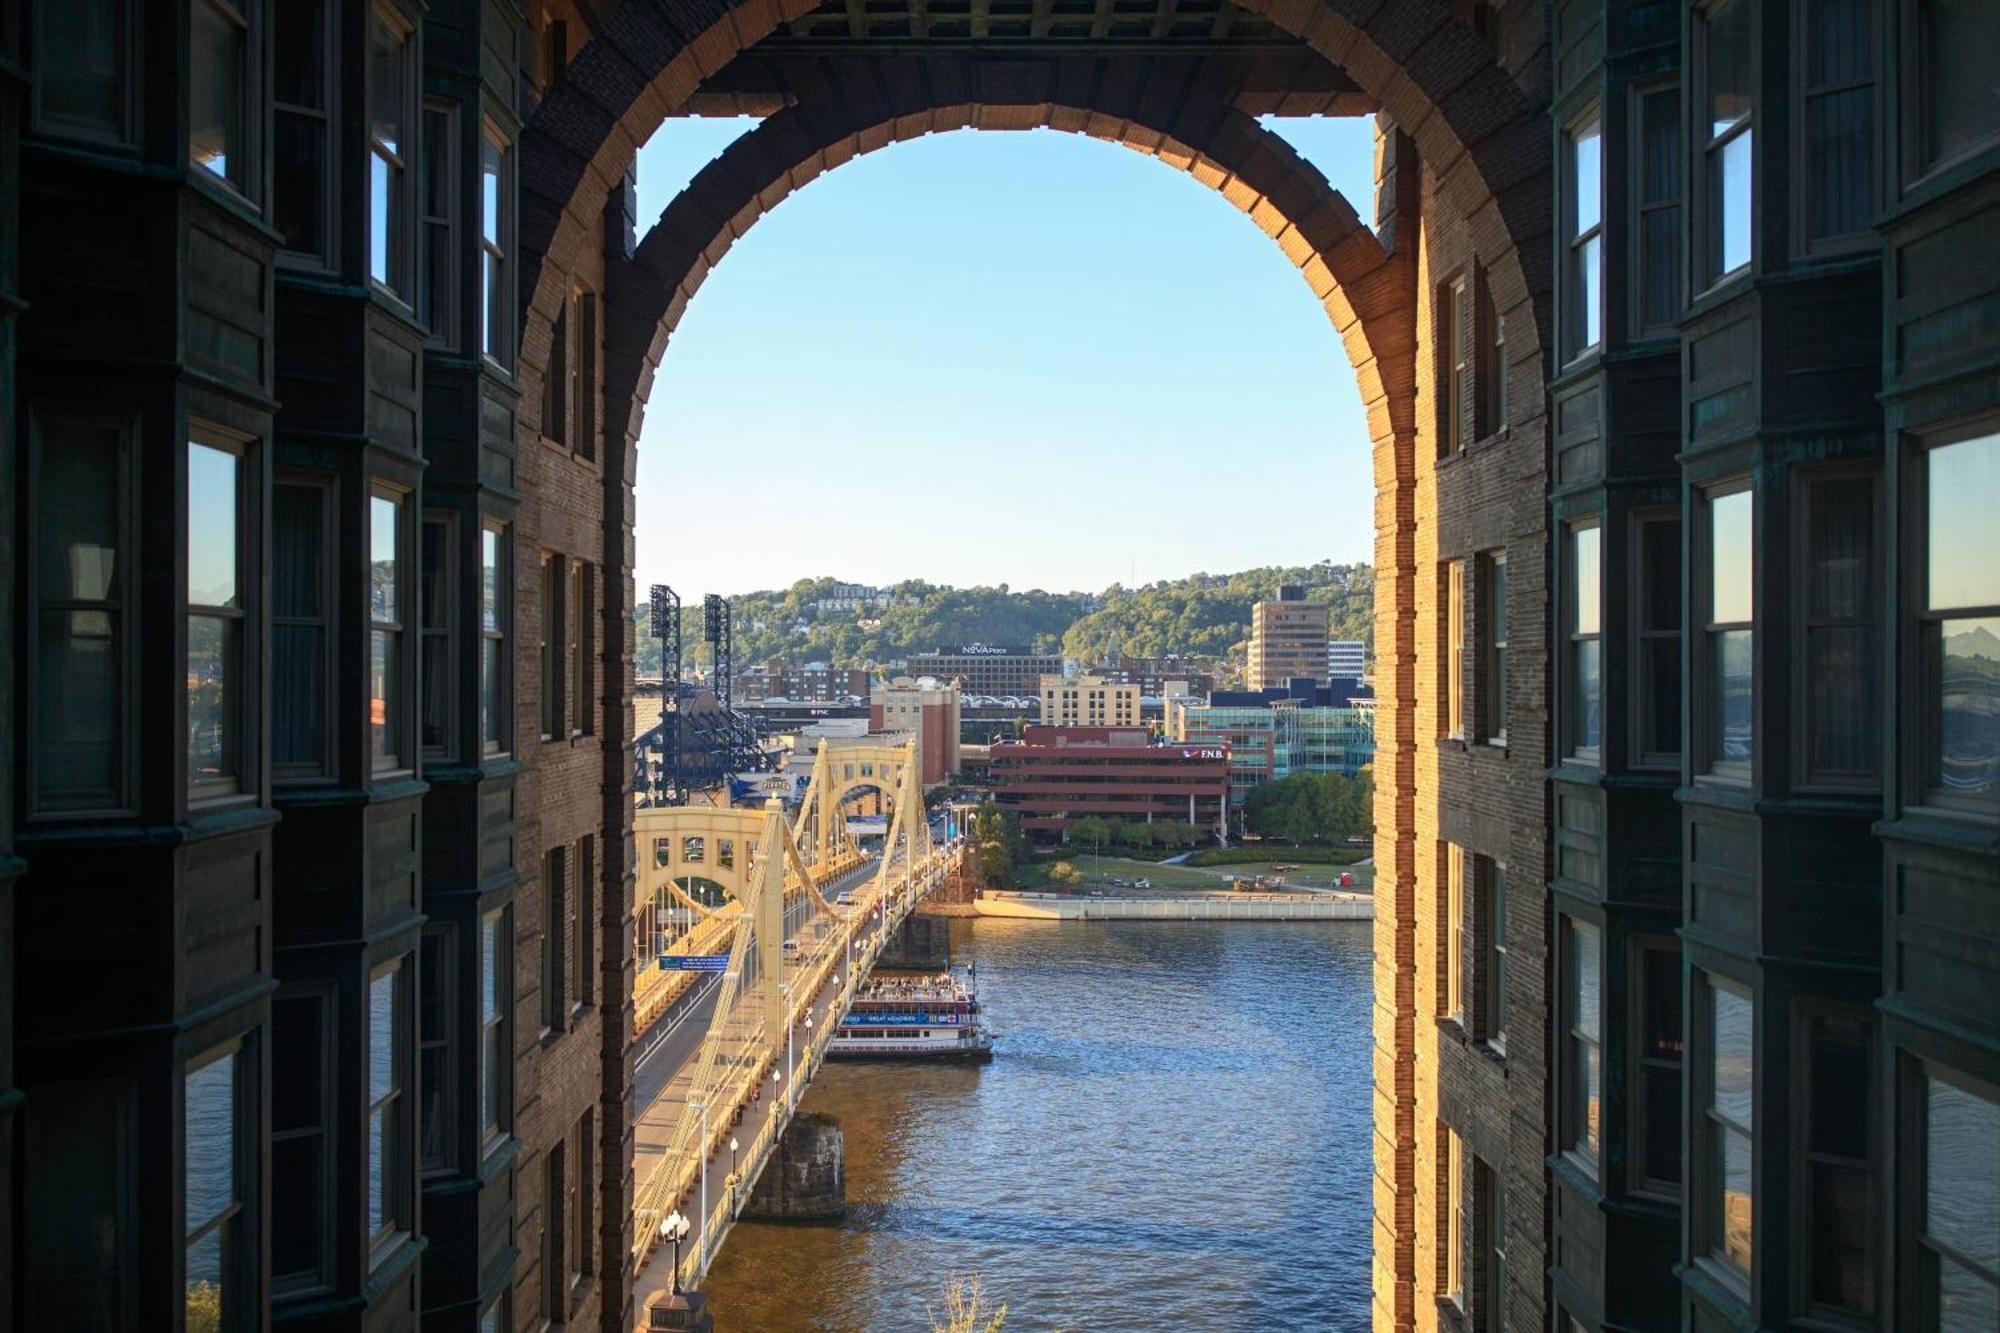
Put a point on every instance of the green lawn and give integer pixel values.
(1101, 869)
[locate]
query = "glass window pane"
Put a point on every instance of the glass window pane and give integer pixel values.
(386, 80)
(205, 1310)
(1841, 544)
(1731, 738)
(489, 581)
(383, 670)
(1840, 722)
(1588, 980)
(1662, 1147)
(382, 516)
(382, 1035)
(379, 1184)
(1586, 170)
(1590, 290)
(1840, 167)
(298, 689)
(298, 547)
(1735, 1196)
(1962, 1172)
(79, 671)
(490, 154)
(1589, 676)
(1732, 590)
(1731, 204)
(1730, 1023)
(1958, 39)
(80, 76)
(1964, 541)
(1587, 571)
(211, 526)
(1730, 77)
(1660, 570)
(209, 1106)
(213, 696)
(1965, 683)
(381, 197)
(216, 92)
(298, 50)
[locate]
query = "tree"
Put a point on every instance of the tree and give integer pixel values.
(1311, 807)
(1090, 831)
(997, 834)
(1136, 836)
(1062, 872)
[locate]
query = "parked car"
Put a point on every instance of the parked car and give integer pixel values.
(1142, 883)
(846, 898)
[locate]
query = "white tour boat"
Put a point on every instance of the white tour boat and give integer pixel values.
(931, 1017)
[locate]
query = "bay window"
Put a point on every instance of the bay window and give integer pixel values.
(392, 93)
(437, 1128)
(1656, 1109)
(1656, 709)
(388, 1191)
(218, 1184)
(1582, 1074)
(79, 665)
(1959, 625)
(302, 1189)
(302, 186)
(1837, 663)
(1584, 616)
(1728, 635)
(1728, 78)
(216, 711)
(1953, 110)
(437, 208)
(1836, 119)
(1583, 268)
(1834, 1164)
(1955, 1252)
(496, 1001)
(387, 728)
(301, 627)
(1656, 201)
(496, 301)
(223, 119)
(495, 663)
(83, 86)
(1727, 1187)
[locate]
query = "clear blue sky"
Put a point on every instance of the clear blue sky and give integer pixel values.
(1026, 358)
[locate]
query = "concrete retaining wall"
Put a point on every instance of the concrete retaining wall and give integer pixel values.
(1263, 907)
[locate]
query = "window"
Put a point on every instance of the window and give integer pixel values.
(302, 157)
(583, 386)
(496, 305)
(1586, 654)
(584, 918)
(1656, 1109)
(1492, 1191)
(391, 96)
(83, 59)
(216, 1179)
(555, 1232)
(1656, 199)
(301, 1157)
(1454, 340)
(78, 1173)
(79, 662)
(1957, 1243)
(1728, 82)
(1493, 646)
(552, 654)
(1582, 1018)
(436, 1136)
(1492, 929)
(388, 1156)
(437, 712)
(222, 104)
(556, 391)
(577, 1214)
(555, 1012)
(1836, 119)
(1451, 635)
(1837, 629)
(1656, 713)
(1959, 627)
(1727, 1186)
(437, 207)
(496, 1000)
(1453, 1213)
(1729, 635)
(579, 620)
(301, 628)
(1583, 274)
(495, 663)
(1832, 1164)
(1451, 873)
(386, 727)
(1955, 111)
(499, 1315)
(215, 622)
(1492, 361)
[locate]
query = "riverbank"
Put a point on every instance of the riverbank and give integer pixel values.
(1186, 907)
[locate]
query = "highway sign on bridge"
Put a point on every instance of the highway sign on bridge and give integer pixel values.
(694, 962)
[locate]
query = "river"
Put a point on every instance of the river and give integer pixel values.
(1174, 1134)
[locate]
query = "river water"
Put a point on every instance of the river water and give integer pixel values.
(1174, 1134)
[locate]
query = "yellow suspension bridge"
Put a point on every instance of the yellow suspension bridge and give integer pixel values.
(737, 1010)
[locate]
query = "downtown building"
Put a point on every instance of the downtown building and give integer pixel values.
(927, 710)
(989, 671)
(1271, 734)
(1289, 639)
(325, 335)
(1089, 701)
(800, 683)
(1056, 775)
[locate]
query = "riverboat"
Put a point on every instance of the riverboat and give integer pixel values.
(925, 1017)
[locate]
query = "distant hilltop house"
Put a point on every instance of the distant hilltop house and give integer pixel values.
(844, 597)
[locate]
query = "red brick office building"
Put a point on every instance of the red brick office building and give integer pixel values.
(1058, 774)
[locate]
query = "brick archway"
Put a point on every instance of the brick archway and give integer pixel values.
(1362, 282)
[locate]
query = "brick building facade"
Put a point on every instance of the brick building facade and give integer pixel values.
(326, 333)
(1055, 775)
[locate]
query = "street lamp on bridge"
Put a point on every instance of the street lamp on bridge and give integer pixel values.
(674, 1227)
(733, 1145)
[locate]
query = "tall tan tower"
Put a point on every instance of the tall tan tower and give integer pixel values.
(1288, 638)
